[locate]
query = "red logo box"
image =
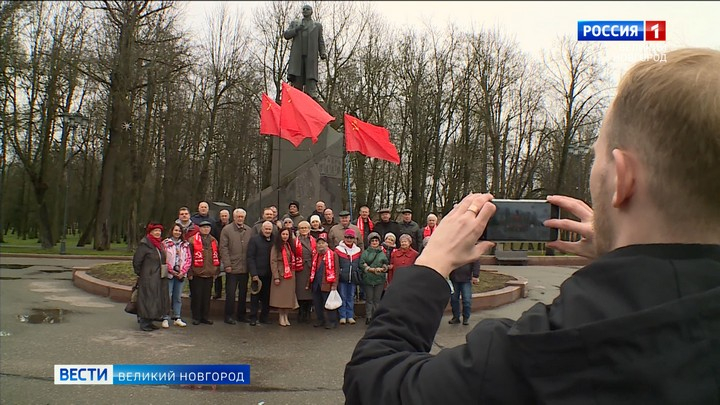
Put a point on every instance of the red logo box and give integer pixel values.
(655, 30)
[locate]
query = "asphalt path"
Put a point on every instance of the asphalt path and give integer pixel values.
(45, 320)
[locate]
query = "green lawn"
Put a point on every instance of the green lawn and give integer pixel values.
(13, 244)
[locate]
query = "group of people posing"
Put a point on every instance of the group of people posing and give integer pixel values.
(287, 263)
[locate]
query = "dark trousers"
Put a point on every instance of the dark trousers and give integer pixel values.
(322, 314)
(262, 300)
(200, 288)
(218, 287)
(232, 282)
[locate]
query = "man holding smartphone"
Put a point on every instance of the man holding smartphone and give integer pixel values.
(640, 324)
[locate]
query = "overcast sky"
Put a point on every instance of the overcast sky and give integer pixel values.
(535, 25)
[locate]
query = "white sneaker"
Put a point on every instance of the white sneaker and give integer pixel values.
(351, 321)
(342, 321)
(165, 324)
(179, 322)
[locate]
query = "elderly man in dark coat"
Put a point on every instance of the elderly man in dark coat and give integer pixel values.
(149, 264)
(307, 44)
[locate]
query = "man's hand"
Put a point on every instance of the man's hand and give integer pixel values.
(476, 280)
(323, 56)
(585, 247)
(255, 278)
(277, 281)
(455, 240)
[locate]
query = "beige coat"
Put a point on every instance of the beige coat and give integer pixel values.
(282, 295)
(234, 242)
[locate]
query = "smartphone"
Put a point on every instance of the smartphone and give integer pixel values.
(521, 221)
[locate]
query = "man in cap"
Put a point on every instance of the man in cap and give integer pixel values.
(294, 214)
(205, 266)
(386, 225)
(337, 232)
(411, 228)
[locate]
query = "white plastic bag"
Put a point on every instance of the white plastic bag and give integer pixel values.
(334, 301)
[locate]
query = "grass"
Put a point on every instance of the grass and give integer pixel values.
(13, 244)
(490, 282)
(120, 273)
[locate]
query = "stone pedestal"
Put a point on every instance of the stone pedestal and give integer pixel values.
(308, 173)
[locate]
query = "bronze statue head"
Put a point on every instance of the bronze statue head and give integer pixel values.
(307, 11)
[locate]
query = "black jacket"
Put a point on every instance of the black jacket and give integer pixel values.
(640, 325)
(258, 256)
(384, 227)
(413, 229)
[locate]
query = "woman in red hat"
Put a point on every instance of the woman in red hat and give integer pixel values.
(153, 301)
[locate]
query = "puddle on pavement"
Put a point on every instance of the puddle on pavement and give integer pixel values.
(44, 315)
(15, 266)
(10, 278)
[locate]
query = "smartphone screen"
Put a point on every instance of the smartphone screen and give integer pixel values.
(521, 221)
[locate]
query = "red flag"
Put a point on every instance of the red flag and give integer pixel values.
(269, 117)
(370, 140)
(300, 115)
(270, 122)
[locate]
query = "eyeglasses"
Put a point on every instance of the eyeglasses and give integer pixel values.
(349, 237)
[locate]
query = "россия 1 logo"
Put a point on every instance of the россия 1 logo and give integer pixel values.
(621, 30)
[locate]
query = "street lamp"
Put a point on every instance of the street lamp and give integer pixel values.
(71, 120)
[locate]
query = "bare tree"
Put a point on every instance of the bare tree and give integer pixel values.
(40, 82)
(575, 81)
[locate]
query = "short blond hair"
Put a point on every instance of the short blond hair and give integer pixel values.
(669, 113)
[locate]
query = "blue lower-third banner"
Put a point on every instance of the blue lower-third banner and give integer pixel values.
(152, 374)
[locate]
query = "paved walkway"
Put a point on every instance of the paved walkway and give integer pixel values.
(295, 365)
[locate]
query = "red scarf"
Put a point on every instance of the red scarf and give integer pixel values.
(428, 231)
(157, 242)
(198, 255)
(329, 259)
(298, 262)
(285, 252)
(361, 225)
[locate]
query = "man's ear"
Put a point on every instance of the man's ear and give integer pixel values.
(626, 172)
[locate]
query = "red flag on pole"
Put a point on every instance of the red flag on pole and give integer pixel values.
(269, 116)
(370, 140)
(270, 122)
(300, 115)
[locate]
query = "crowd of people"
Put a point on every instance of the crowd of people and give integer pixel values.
(287, 263)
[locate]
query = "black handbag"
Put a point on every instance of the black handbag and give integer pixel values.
(131, 307)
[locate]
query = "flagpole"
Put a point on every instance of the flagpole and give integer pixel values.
(347, 164)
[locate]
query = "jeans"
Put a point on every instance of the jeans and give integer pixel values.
(347, 293)
(175, 288)
(235, 281)
(372, 298)
(464, 289)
